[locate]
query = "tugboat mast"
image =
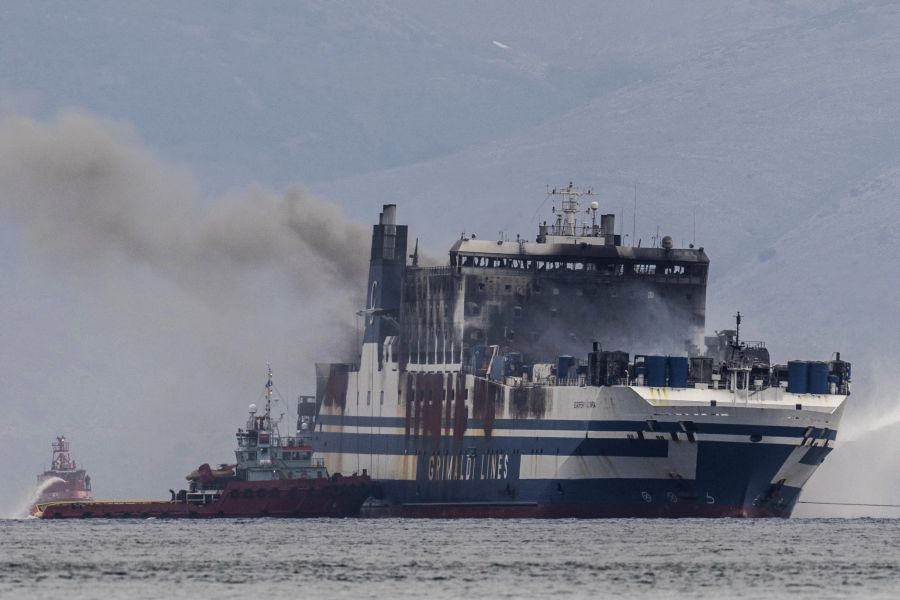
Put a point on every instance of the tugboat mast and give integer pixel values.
(269, 393)
(263, 422)
(61, 459)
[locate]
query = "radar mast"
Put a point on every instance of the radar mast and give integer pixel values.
(569, 198)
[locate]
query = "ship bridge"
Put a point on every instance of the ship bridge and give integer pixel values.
(570, 244)
(661, 264)
(574, 284)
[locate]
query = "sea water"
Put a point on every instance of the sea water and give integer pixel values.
(387, 558)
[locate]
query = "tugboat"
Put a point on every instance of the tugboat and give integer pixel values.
(273, 476)
(64, 480)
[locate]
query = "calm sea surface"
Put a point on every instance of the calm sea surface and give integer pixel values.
(385, 559)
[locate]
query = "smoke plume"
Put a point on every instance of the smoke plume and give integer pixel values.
(94, 200)
(145, 313)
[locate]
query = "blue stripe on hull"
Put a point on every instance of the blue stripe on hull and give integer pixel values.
(479, 477)
(574, 425)
(363, 443)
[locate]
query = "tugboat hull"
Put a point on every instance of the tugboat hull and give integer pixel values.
(336, 497)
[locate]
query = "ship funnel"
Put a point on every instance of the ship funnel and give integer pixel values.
(388, 215)
(608, 229)
(386, 265)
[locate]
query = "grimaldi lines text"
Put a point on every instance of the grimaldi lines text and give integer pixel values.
(567, 377)
(456, 467)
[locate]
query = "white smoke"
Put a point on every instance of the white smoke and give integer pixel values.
(868, 438)
(872, 406)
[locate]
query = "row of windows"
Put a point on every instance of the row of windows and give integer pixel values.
(251, 456)
(596, 266)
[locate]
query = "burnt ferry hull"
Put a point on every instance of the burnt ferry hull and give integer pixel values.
(587, 499)
(739, 471)
(511, 382)
(585, 452)
(563, 510)
(340, 497)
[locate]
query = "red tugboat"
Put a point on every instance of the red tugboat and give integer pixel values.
(273, 476)
(64, 480)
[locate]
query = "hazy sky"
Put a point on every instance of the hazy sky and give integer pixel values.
(186, 191)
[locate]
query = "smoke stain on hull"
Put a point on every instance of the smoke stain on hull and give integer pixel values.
(528, 402)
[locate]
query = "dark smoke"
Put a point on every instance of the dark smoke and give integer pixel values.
(171, 304)
(93, 199)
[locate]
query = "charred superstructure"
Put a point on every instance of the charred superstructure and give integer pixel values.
(564, 377)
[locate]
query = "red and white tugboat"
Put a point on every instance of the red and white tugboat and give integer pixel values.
(273, 476)
(63, 480)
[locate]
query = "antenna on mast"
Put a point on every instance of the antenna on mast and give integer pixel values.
(634, 216)
(694, 234)
(566, 223)
(415, 255)
(736, 347)
(268, 389)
